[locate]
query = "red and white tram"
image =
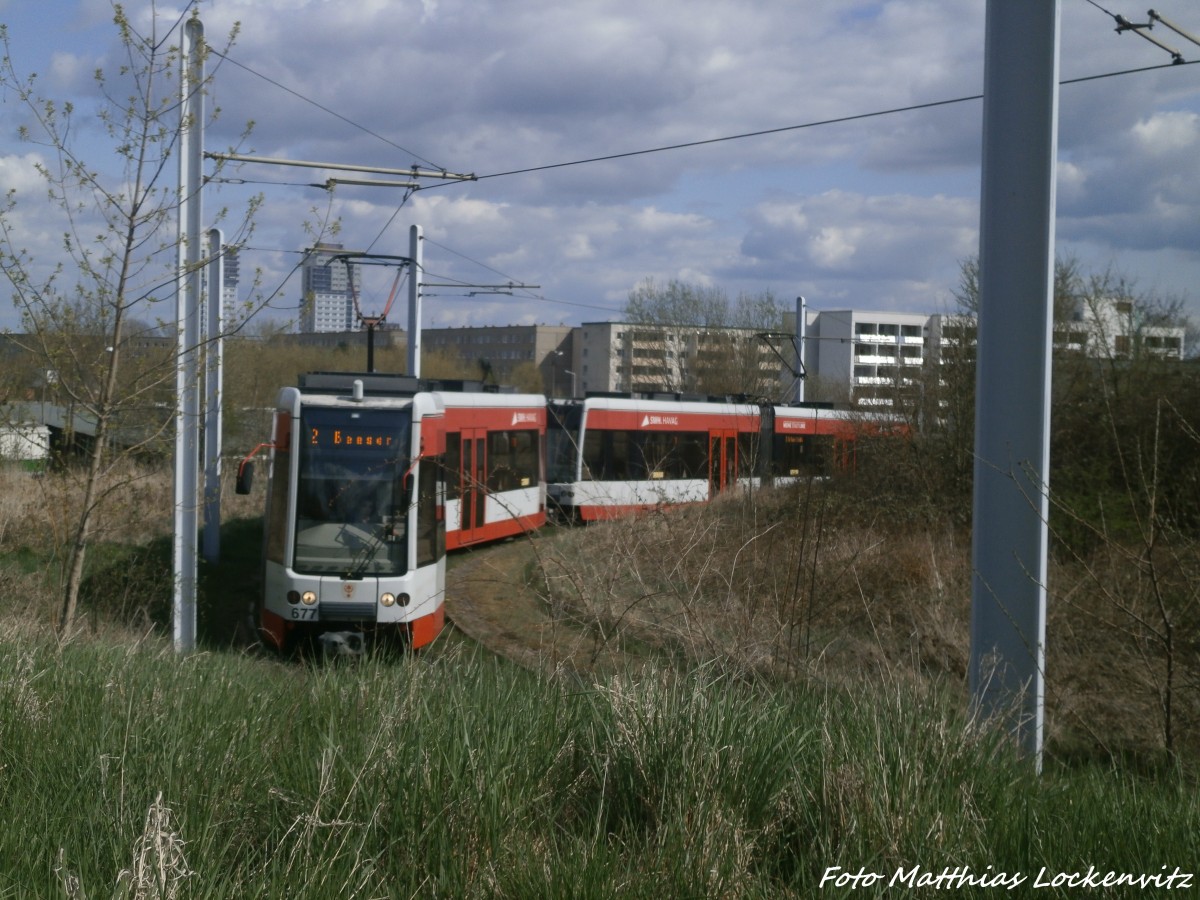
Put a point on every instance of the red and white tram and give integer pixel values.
(358, 513)
(608, 456)
(495, 485)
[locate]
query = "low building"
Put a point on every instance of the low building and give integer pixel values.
(499, 351)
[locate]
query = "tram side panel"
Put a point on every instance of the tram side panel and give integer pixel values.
(495, 480)
(613, 456)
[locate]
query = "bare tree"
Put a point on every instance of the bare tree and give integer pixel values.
(686, 337)
(116, 262)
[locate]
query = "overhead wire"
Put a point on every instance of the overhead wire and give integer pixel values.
(326, 109)
(837, 120)
(527, 294)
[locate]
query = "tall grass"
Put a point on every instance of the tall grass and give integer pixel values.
(777, 585)
(136, 774)
(129, 563)
(797, 712)
(808, 585)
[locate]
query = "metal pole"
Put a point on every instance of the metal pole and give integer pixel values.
(801, 334)
(214, 366)
(187, 301)
(414, 301)
(1012, 419)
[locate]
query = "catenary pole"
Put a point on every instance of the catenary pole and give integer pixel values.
(415, 242)
(214, 364)
(1012, 419)
(801, 336)
(187, 312)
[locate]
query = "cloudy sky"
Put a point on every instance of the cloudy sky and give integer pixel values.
(872, 213)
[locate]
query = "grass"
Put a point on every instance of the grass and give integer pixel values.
(799, 587)
(792, 710)
(141, 774)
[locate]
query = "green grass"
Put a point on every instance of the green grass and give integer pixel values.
(128, 768)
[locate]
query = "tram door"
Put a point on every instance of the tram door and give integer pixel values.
(472, 481)
(722, 460)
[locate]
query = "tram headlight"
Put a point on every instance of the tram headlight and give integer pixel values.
(293, 597)
(403, 599)
(308, 598)
(388, 599)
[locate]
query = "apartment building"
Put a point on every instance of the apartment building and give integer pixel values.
(327, 290)
(1114, 328)
(620, 357)
(1104, 329)
(876, 356)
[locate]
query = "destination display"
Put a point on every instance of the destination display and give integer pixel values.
(329, 437)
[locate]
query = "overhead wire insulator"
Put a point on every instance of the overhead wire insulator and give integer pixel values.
(1155, 17)
(1123, 24)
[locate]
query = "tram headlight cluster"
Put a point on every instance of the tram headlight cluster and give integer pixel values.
(401, 600)
(308, 598)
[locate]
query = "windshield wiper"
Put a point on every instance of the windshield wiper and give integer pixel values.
(364, 545)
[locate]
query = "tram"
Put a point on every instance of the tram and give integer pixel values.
(608, 456)
(358, 514)
(374, 477)
(495, 483)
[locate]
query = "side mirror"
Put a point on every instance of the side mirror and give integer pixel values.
(245, 476)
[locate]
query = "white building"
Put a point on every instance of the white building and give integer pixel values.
(1115, 329)
(1105, 329)
(327, 290)
(874, 355)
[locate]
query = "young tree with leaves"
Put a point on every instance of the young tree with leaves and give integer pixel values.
(116, 263)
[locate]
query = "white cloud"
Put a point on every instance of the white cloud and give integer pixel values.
(874, 211)
(1169, 132)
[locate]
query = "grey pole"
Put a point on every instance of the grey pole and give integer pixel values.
(1012, 419)
(801, 334)
(214, 364)
(187, 313)
(414, 301)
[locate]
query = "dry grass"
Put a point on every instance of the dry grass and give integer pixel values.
(770, 586)
(39, 514)
(790, 585)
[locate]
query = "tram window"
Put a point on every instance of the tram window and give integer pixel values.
(526, 458)
(805, 455)
(351, 496)
(277, 517)
(512, 460)
(747, 454)
(606, 455)
(453, 464)
(431, 540)
(693, 454)
(622, 455)
(652, 456)
(562, 442)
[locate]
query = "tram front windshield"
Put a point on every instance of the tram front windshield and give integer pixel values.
(351, 500)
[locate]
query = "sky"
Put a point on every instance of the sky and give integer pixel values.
(874, 212)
